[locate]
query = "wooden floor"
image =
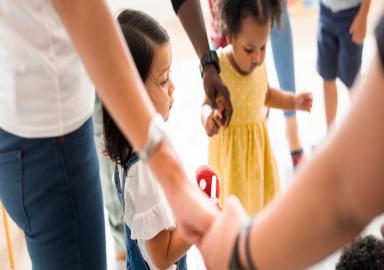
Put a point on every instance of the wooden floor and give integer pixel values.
(19, 248)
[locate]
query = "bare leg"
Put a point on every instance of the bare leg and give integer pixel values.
(330, 101)
(292, 133)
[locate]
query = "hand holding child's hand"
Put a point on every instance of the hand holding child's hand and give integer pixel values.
(213, 123)
(303, 101)
(358, 28)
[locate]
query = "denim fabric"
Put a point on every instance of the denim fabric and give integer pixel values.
(282, 49)
(135, 260)
(51, 189)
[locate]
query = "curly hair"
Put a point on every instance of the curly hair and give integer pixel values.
(141, 33)
(231, 12)
(363, 254)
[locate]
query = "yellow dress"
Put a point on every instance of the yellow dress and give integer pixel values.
(241, 154)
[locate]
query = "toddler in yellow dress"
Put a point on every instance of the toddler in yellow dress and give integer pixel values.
(241, 153)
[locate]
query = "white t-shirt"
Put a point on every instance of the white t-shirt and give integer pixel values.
(339, 5)
(147, 211)
(44, 89)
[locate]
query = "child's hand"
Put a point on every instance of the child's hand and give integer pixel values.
(213, 123)
(303, 101)
(358, 28)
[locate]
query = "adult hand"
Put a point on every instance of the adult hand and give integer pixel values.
(217, 93)
(194, 213)
(217, 244)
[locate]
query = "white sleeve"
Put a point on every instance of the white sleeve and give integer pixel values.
(147, 211)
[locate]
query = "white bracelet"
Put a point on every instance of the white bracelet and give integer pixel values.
(156, 134)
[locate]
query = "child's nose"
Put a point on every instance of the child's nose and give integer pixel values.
(256, 58)
(171, 87)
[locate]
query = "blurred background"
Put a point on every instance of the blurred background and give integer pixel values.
(184, 124)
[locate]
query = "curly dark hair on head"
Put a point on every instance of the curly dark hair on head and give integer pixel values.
(141, 33)
(365, 253)
(232, 12)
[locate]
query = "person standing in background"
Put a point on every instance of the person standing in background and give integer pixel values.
(110, 198)
(340, 37)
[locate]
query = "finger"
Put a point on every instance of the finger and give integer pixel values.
(218, 119)
(225, 105)
(228, 112)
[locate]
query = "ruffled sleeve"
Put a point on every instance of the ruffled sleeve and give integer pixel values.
(147, 210)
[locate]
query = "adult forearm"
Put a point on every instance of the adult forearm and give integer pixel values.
(118, 84)
(191, 17)
(109, 64)
(335, 195)
(295, 234)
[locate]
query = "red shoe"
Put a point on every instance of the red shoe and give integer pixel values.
(297, 157)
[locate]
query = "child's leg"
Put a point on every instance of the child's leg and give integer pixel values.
(330, 100)
(328, 47)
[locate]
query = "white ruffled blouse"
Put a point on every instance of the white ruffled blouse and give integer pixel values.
(147, 211)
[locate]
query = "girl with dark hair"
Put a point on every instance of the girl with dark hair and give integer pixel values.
(241, 154)
(153, 241)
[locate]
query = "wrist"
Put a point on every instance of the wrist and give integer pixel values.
(209, 68)
(208, 61)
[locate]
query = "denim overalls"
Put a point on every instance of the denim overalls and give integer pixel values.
(135, 260)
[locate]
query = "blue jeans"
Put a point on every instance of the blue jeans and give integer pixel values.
(282, 49)
(51, 189)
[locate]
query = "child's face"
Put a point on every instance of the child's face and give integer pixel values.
(248, 45)
(159, 84)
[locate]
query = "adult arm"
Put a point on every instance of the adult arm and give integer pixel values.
(109, 64)
(333, 197)
(191, 17)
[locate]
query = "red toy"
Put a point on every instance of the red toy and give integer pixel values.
(208, 181)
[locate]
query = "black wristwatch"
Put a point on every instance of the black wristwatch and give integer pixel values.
(209, 58)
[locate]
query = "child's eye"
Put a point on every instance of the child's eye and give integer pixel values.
(164, 83)
(248, 50)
